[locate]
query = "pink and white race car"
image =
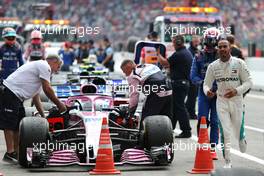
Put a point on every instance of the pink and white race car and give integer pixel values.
(73, 137)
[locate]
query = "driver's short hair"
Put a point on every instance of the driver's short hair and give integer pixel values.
(125, 62)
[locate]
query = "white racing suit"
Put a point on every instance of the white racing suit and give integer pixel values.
(230, 74)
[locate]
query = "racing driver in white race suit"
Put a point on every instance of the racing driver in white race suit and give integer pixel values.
(233, 80)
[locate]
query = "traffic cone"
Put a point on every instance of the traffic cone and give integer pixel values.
(203, 160)
(104, 160)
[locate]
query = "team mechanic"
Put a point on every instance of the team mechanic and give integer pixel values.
(206, 105)
(10, 53)
(23, 84)
(180, 63)
(148, 76)
(233, 80)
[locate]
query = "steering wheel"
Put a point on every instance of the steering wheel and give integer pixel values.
(79, 104)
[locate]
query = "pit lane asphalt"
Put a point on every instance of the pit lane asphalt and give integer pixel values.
(183, 159)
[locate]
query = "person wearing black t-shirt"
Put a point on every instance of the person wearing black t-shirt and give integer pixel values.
(180, 63)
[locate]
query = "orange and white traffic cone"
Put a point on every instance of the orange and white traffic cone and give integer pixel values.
(203, 160)
(104, 160)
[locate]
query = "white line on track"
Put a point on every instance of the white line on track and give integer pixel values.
(247, 156)
(255, 96)
(233, 151)
(254, 129)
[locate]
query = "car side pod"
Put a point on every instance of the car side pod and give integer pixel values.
(203, 160)
(104, 160)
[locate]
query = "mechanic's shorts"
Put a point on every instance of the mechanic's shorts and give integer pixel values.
(11, 110)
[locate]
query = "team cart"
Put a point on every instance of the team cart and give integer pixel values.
(73, 137)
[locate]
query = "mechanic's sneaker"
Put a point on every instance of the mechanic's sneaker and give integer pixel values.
(243, 145)
(228, 164)
(10, 157)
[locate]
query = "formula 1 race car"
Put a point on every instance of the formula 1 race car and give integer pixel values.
(73, 137)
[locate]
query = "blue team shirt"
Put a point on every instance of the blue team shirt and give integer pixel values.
(67, 57)
(11, 58)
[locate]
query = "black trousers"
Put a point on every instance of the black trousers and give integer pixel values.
(180, 90)
(191, 99)
(11, 110)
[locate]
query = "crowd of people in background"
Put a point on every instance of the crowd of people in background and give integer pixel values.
(35, 50)
(127, 18)
(102, 50)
